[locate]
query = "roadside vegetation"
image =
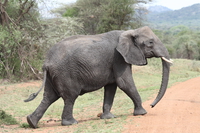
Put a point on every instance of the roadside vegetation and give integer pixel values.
(25, 37)
(181, 42)
(89, 105)
(7, 119)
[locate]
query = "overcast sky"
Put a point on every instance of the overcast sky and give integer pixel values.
(172, 4)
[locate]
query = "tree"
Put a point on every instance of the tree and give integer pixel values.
(117, 15)
(181, 42)
(25, 37)
(177, 29)
(16, 11)
(4, 15)
(100, 16)
(186, 47)
(18, 25)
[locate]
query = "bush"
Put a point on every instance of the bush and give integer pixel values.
(71, 12)
(9, 52)
(100, 16)
(25, 38)
(25, 125)
(195, 66)
(7, 119)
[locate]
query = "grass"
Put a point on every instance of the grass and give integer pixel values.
(147, 79)
(24, 125)
(7, 119)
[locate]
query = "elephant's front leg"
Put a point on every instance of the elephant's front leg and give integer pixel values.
(126, 84)
(109, 93)
(67, 115)
(134, 95)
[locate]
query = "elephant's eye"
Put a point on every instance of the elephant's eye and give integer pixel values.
(150, 45)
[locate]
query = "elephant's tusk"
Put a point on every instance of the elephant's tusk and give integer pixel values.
(169, 61)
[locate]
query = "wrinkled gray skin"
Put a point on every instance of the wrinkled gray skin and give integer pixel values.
(81, 64)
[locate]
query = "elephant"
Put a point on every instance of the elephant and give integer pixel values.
(84, 63)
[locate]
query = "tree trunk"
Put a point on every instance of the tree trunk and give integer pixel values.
(4, 15)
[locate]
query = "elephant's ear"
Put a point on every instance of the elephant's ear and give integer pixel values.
(128, 48)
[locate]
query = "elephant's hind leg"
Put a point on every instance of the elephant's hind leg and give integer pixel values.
(67, 115)
(109, 93)
(49, 97)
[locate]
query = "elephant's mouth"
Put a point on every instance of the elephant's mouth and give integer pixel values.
(150, 54)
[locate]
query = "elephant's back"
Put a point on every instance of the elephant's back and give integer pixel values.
(83, 46)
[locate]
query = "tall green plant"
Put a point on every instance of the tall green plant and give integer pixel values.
(7, 119)
(181, 42)
(100, 16)
(117, 15)
(20, 30)
(9, 61)
(25, 38)
(186, 47)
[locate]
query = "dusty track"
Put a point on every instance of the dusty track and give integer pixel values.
(177, 112)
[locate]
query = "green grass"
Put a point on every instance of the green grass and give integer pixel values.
(147, 79)
(7, 119)
(25, 125)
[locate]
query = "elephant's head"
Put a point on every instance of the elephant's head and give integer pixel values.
(137, 45)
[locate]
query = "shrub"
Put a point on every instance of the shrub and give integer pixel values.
(7, 119)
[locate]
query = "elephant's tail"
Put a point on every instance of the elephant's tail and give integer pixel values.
(34, 95)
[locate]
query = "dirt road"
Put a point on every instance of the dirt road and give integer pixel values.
(177, 112)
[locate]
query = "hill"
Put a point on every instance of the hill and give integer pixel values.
(158, 9)
(188, 16)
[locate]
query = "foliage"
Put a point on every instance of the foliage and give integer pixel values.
(25, 125)
(181, 42)
(7, 119)
(8, 51)
(19, 27)
(100, 16)
(17, 11)
(71, 12)
(56, 29)
(117, 15)
(25, 38)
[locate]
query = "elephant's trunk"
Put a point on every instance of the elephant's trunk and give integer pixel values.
(165, 78)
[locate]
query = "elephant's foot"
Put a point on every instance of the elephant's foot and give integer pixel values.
(139, 111)
(31, 121)
(69, 122)
(107, 116)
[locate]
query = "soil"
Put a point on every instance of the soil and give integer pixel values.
(177, 112)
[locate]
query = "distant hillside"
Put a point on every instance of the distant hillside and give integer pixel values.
(158, 9)
(188, 16)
